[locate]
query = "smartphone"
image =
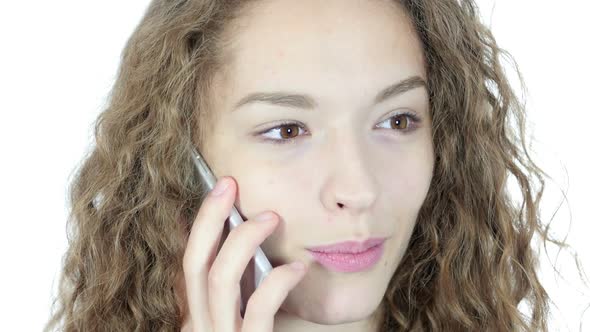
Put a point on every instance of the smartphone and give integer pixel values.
(262, 266)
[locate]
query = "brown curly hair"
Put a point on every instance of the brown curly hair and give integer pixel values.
(470, 262)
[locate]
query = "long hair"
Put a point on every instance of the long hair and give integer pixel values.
(470, 262)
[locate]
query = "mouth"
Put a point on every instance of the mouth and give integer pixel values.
(349, 256)
(348, 247)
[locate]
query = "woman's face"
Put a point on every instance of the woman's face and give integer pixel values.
(347, 168)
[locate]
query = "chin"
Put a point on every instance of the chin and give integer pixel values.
(335, 317)
(332, 309)
(327, 298)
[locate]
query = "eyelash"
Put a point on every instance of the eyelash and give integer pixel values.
(415, 120)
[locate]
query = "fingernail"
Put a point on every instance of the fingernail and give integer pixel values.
(265, 216)
(220, 187)
(298, 266)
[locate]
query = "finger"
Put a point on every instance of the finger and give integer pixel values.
(201, 250)
(267, 299)
(228, 268)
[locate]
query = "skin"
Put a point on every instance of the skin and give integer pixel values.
(348, 173)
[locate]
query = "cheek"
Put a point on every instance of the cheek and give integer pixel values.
(262, 187)
(270, 189)
(407, 184)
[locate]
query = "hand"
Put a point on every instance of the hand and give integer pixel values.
(213, 283)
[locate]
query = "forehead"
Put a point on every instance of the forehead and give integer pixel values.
(329, 47)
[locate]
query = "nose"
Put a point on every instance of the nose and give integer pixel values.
(351, 185)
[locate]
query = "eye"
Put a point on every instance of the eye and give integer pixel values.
(404, 122)
(287, 131)
(284, 132)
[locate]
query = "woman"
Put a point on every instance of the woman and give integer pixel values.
(343, 121)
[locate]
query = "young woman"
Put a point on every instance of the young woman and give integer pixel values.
(338, 120)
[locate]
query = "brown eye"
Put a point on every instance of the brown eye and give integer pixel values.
(286, 132)
(289, 131)
(402, 123)
(399, 122)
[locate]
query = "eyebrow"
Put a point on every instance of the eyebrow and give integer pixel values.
(306, 102)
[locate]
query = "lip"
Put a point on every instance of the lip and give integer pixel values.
(350, 247)
(349, 256)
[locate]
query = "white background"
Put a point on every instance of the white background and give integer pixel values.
(57, 63)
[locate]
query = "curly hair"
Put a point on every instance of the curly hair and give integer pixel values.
(470, 261)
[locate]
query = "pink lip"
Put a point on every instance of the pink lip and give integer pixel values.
(349, 256)
(349, 246)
